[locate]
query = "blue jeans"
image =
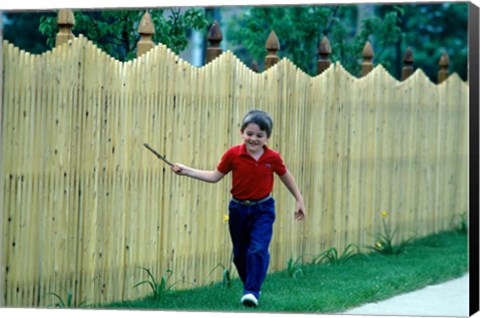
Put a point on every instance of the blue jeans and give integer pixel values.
(251, 232)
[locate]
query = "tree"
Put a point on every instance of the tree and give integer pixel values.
(301, 28)
(20, 29)
(348, 41)
(115, 31)
(429, 29)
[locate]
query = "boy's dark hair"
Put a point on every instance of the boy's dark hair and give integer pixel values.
(259, 117)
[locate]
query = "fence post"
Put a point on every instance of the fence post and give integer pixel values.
(214, 37)
(443, 64)
(407, 69)
(272, 45)
(65, 21)
(146, 30)
(367, 55)
(324, 51)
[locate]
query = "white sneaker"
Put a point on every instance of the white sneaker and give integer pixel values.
(249, 300)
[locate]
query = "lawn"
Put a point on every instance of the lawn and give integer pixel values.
(328, 287)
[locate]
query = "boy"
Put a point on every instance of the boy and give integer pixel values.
(251, 209)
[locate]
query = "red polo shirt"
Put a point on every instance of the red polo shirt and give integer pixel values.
(251, 179)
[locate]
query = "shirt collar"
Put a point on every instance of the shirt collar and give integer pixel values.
(244, 152)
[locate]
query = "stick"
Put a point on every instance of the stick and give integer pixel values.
(158, 155)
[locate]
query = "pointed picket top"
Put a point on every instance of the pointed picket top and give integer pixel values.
(65, 21)
(455, 80)
(367, 52)
(324, 48)
(272, 45)
(146, 25)
(408, 56)
(407, 69)
(214, 37)
(326, 74)
(324, 51)
(444, 60)
(232, 59)
(215, 33)
(367, 55)
(443, 67)
(385, 76)
(146, 30)
(66, 17)
(417, 77)
(340, 70)
(290, 67)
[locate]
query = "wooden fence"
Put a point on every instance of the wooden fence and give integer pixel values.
(85, 204)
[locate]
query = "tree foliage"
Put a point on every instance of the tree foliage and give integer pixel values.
(19, 28)
(428, 29)
(116, 31)
(301, 28)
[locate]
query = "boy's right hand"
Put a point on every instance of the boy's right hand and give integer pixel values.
(178, 169)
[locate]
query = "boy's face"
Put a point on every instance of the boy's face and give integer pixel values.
(254, 138)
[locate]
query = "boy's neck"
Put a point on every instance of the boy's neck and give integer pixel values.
(256, 155)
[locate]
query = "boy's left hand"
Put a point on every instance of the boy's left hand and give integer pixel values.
(300, 211)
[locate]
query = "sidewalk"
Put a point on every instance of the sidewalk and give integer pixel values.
(450, 299)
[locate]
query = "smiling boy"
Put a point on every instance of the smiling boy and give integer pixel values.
(252, 208)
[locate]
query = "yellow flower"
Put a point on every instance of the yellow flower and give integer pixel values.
(378, 245)
(225, 218)
(384, 214)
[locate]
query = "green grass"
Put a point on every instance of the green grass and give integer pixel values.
(328, 288)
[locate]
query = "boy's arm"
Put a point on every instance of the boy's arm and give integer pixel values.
(203, 175)
(291, 185)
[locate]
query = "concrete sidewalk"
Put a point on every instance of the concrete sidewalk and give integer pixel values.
(450, 299)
